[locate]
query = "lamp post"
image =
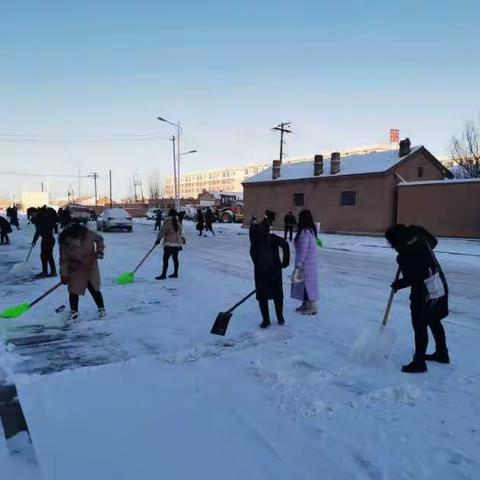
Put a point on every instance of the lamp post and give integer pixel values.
(177, 173)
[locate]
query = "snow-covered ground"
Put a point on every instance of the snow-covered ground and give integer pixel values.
(149, 393)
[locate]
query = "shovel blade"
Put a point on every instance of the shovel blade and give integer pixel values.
(19, 269)
(373, 346)
(16, 311)
(221, 323)
(124, 278)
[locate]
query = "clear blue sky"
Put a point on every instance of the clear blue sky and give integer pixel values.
(343, 72)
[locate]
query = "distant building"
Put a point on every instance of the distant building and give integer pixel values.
(355, 193)
(231, 179)
(35, 199)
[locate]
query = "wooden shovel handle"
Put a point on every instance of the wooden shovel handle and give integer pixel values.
(390, 300)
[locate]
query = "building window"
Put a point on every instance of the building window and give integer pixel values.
(298, 200)
(420, 172)
(348, 198)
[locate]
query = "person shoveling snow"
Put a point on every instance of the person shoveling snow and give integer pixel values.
(429, 291)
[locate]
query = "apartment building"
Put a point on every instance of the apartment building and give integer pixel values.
(231, 179)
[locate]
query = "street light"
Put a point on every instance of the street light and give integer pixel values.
(176, 172)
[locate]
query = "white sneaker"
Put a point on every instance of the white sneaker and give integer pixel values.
(101, 313)
(72, 316)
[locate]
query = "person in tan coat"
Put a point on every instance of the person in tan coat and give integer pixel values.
(80, 249)
(171, 234)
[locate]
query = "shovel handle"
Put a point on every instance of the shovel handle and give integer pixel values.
(240, 302)
(390, 300)
(48, 292)
(144, 258)
(29, 253)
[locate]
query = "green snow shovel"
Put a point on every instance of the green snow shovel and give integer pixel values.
(223, 318)
(129, 277)
(17, 310)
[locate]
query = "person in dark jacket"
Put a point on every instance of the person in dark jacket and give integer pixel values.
(53, 218)
(158, 220)
(45, 225)
(289, 222)
(209, 219)
(200, 222)
(5, 229)
(264, 251)
(428, 299)
(14, 217)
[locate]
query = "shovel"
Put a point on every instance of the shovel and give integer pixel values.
(17, 310)
(223, 318)
(21, 268)
(129, 277)
(375, 345)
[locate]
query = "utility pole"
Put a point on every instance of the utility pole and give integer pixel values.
(283, 129)
(110, 178)
(79, 182)
(94, 175)
(137, 182)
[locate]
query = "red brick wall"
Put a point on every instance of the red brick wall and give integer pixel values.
(449, 209)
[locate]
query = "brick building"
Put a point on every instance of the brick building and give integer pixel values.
(357, 193)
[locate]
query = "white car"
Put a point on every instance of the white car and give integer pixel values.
(114, 218)
(151, 213)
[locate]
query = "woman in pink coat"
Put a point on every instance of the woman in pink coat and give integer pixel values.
(306, 261)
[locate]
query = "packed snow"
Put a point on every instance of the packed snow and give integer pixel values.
(148, 393)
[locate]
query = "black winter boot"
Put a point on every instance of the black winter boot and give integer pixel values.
(440, 356)
(265, 324)
(417, 365)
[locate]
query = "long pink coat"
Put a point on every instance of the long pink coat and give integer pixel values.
(306, 259)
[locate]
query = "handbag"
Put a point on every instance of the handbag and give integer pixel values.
(297, 289)
(434, 284)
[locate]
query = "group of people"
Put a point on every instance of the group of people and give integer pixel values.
(418, 269)
(205, 222)
(6, 224)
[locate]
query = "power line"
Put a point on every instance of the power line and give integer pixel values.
(28, 174)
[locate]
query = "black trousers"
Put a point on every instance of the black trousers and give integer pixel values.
(96, 295)
(209, 228)
(263, 303)
(46, 254)
(288, 230)
(158, 224)
(4, 237)
(421, 320)
(167, 253)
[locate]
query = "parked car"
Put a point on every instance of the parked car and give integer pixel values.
(152, 213)
(115, 218)
(79, 213)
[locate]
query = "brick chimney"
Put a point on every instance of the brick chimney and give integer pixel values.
(404, 147)
(318, 165)
(335, 163)
(277, 165)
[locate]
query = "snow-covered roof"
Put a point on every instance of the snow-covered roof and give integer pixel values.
(376, 162)
(453, 181)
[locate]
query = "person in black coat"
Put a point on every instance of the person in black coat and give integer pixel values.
(209, 219)
(5, 229)
(200, 222)
(264, 251)
(14, 217)
(158, 220)
(428, 304)
(289, 222)
(45, 226)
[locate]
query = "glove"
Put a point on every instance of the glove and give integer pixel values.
(63, 279)
(34, 243)
(397, 285)
(157, 242)
(100, 255)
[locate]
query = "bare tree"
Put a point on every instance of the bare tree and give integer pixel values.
(154, 188)
(465, 151)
